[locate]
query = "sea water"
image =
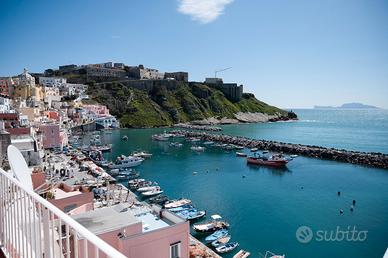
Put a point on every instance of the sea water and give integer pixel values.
(265, 207)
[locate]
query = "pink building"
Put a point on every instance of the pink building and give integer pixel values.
(98, 110)
(51, 136)
(144, 234)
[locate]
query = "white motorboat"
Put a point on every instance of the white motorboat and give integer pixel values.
(126, 162)
(197, 148)
(227, 247)
(242, 254)
(177, 203)
(148, 188)
(142, 154)
(152, 192)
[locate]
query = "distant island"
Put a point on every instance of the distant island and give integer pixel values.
(348, 106)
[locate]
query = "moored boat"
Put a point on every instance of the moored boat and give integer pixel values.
(177, 203)
(197, 148)
(126, 162)
(160, 199)
(148, 188)
(216, 235)
(242, 254)
(153, 192)
(221, 241)
(254, 149)
(142, 154)
(210, 226)
(226, 247)
(241, 154)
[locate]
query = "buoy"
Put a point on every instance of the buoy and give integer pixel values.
(341, 211)
(301, 187)
(339, 193)
(351, 208)
(354, 202)
(243, 176)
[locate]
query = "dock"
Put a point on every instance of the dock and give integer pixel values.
(370, 159)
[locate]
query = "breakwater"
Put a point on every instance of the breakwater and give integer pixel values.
(198, 127)
(372, 159)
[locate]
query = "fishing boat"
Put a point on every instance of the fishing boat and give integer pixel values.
(182, 208)
(241, 154)
(293, 156)
(254, 149)
(160, 137)
(127, 176)
(126, 162)
(194, 139)
(98, 158)
(191, 214)
(142, 154)
(160, 199)
(177, 203)
(135, 186)
(208, 143)
(221, 241)
(226, 247)
(153, 192)
(148, 188)
(197, 148)
(216, 235)
(272, 161)
(211, 226)
(242, 254)
(238, 147)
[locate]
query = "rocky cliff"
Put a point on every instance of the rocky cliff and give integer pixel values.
(196, 103)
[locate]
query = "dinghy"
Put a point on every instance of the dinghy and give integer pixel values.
(242, 254)
(216, 235)
(221, 241)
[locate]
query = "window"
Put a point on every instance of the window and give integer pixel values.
(175, 250)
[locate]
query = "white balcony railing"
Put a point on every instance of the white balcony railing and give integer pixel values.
(32, 227)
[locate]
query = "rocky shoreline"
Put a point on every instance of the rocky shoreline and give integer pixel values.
(372, 159)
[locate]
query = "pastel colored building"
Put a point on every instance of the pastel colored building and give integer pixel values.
(51, 137)
(52, 81)
(142, 234)
(98, 110)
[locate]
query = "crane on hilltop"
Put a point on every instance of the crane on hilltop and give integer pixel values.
(221, 70)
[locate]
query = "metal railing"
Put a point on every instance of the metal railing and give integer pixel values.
(32, 227)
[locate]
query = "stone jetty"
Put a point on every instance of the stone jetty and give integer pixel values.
(198, 127)
(372, 159)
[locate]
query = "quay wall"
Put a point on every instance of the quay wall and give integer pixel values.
(372, 159)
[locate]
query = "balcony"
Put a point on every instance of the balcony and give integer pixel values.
(32, 227)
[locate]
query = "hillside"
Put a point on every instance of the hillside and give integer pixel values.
(162, 107)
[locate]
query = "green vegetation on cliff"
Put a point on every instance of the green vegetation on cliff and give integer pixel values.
(163, 107)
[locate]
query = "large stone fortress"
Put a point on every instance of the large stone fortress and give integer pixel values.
(139, 77)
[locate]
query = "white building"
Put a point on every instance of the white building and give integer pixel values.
(5, 105)
(108, 122)
(52, 81)
(51, 94)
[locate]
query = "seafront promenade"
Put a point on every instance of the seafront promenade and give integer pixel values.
(372, 159)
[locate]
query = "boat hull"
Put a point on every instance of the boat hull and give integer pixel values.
(269, 163)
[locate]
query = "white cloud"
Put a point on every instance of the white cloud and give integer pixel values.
(203, 11)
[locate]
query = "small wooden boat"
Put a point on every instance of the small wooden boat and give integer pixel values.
(160, 199)
(254, 149)
(208, 143)
(216, 235)
(181, 208)
(210, 226)
(241, 154)
(242, 254)
(177, 203)
(238, 147)
(191, 214)
(226, 247)
(221, 241)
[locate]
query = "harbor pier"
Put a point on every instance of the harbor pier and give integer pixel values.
(371, 159)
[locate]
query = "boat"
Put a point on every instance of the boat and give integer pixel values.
(148, 188)
(293, 156)
(191, 214)
(126, 176)
(241, 154)
(98, 158)
(177, 203)
(238, 147)
(160, 137)
(193, 139)
(208, 143)
(226, 247)
(136, 181)
(221, 241)
(254, 149)
(273, 161)
(269, 254)
(216, 235)
(142, 154)
(126, 162)
(182, 208)
(160, 199)
(176, 144)
(153, 192)
(124, 138)
(210, 226)
(136, 186)
(197, 148)
(242, 254)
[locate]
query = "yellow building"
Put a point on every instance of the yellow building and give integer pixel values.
(27, 88)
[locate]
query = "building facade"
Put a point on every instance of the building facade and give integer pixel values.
(52, 81)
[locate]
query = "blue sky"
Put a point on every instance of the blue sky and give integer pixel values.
(288, 53)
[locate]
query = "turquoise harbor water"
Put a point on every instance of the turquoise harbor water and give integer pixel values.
(267, 206)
